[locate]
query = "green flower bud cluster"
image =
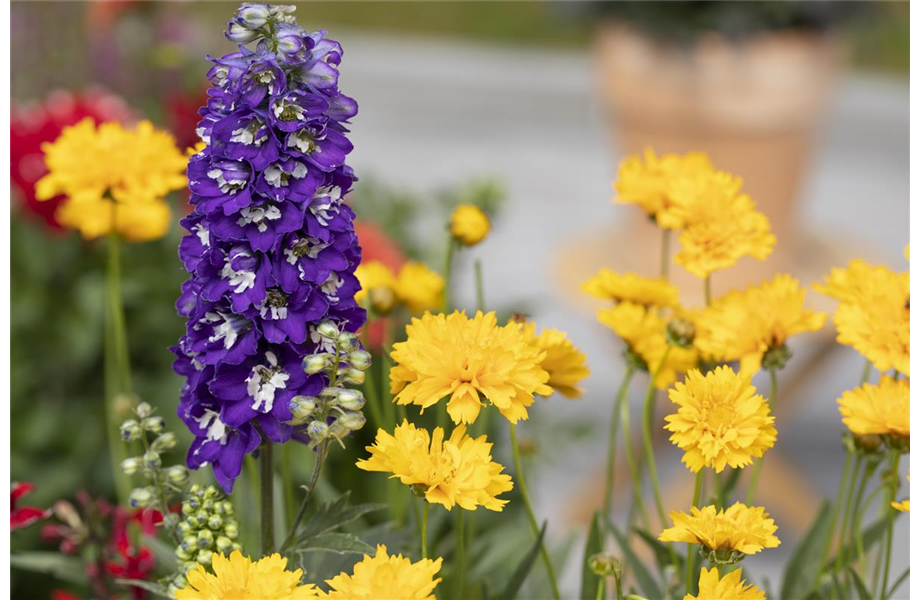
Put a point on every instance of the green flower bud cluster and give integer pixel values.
(207, 526)
(164, 482)
(336, 411)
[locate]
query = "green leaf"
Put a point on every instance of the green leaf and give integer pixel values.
(662, 553)
(63, 567)
(645, 579)
(520, 573)
(804, 565)
(731, 482)
(860, 585)
(340, 543)
(332, 515)
(154, 588)
(593, 545)
(164, 553)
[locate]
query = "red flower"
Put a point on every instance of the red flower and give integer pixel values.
(33, 124)
(63, 595)
(23, 516)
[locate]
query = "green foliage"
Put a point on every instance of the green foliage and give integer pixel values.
(154, 588)
(635, 566)
(60, 566)
(593, 545)
(520, 573)
(806, 560)
(319, 532)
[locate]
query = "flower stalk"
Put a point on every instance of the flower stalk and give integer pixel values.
(612, 440)
(267, 498)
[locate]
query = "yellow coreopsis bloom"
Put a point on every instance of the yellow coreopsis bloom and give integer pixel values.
(384, 576)
(730, 587)
(738, 528)
(114, 179)
(745, 326)
(378, 286)
(467, 359)
(565, 363)
(881, 409)
(239, 578)
(629, 287)
(469, 224)
(419, 288)
(720, 421)
(458, 471)
(650, 182)
(874, 313)
(644, 331)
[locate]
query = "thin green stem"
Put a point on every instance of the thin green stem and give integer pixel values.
(665, 253)
(480, 290)
(860, 509)
(371, 391)
(838, 504)
(707, 289)
(423, 532)
(612, 442)
(892, 493)
(758, 464)
(321, 453)
(697, 490)
(389, 410)
(117, 368)
(460, 554)
(267, 498)
(842, 539)
(599, 595)
(867, 370)
(633, 467)
(647, 436)
(531, 518)
(287, 479)
(448, 267)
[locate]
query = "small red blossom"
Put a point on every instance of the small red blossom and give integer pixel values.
(23, 516)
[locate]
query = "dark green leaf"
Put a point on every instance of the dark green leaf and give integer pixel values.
(332, 515)
(340, 543)
(593, 545)
(662, 553)
(645, 579)
(63, 567)
(154, 588)
(520, 573)
(731, 482)
(898, 583)
(803, 567)
(860, 585)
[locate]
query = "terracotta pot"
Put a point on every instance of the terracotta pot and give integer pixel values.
(754, 105)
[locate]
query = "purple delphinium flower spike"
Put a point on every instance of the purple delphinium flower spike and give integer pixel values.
(271, 249)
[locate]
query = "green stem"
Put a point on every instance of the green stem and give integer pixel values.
(867, 370)
(370, 388)
(460, 553)
(892, 493)
(612, 442)
(287, 478)
(448, 266)
(532, 519)
(321, 453)
(647, 436)
(389, 410)
(697, 489)
(480, 294)
(117, 368)
(860, 509)
(267, 499)
(838, 504)
(424, 530)
(633, 467)
(758, 464)
(599, 595)
(842, 539)
(707, 289)
(665, 253)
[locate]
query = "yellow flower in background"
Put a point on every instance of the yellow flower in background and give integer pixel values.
(383, 576)
(629, 287)
(239, 578)
(730, 587)
(419, 288)
(726, 229)
(746, 326)
(114, 179)
(458, 471)
(378, 286)
(874, 313)
(466, 359)
(648, 180)
(469, 224)
(644, 331)
(903, 505)
(720, 421)
(565, 363)
(882, 408)
(692, 197)
(738, 528)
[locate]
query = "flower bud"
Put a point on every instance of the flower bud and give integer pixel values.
(331, 392)
(350, 399)
(328, 329)
(352, 421)
(130, 466)
(223, 544)
(177, 475)
(215, 522)
(901, 443)
(724, 556)
(164, 442)
(302, 408)
(204, 557)
(239, 34)
(205, 538)
(130, 430)
(189, 543)
(253, 16)
(152, 460)
(183, 528)
(605, 565)
(348, 340)
(231, 530)
(143, 410)
(140, 497)
(353, 376)
(317, 430)
(153, 424)
(315, 363)
(680, 333)
(183, 554)
(776, 357)
(360, 359)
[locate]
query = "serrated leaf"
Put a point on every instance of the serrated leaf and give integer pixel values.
(520, 573)
(332, 515)
(63, 567)
(340, 543)
(593, 545)
(645, 579)
(802, 569)
(154, 588)
(662, 553)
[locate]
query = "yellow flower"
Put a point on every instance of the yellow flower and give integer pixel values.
(874, 313)
(730, 587)
(469, 225)
(744, 326)
(907, 506)
(419, 288)
(564, 362)
(643, 330)
(378, 284)
(114, 179)
(650, 181)
(457, 471)
(721, 420)
(384, 576)
(724, 229)
(467, 359)
(882, 408)
(738, 528)
(629, 287)
(238, 578)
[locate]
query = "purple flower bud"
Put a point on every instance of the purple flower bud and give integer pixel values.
(240, 34)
